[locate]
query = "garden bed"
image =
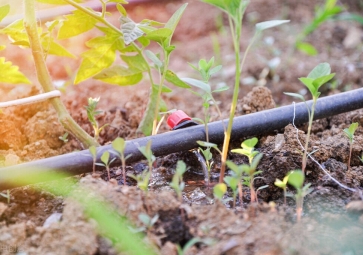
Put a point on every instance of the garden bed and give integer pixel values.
(332, 222)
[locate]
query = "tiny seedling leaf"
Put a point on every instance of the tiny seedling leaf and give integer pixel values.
(280, 184)
(93, 150)
(207, 144)
(105, 157)
(232, 182)
(159, 35)
(219, 190)
(296, 179)
(320, 70)
(307, 48)
(145, 219)
(119, 145)
(269, 24)
(295, 95)
(181, 167)
(256, 160)
(249, 143)
(318, 82)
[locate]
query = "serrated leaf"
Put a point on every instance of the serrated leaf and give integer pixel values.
(57, 2)
(76, 23)
(171, 77)
(16, 31)
(119, 75)
(199, 84)
(153, 58)
(269, 24)
(11, 74)
(4, 10)
(130, 30)
(100, 57)
(320, 70)
(307, 48)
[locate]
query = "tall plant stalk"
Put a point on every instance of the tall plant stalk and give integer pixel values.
(44, 78)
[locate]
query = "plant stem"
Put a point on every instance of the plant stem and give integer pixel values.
(304, 160)
(156, 110)
(123, 161)
(44, 78)
(31, 99)
(350, 154)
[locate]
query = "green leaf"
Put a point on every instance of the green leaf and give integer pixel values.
(307, 48)
(4, 10)
(99, 57)
(121, 10)
(93, 150)
(269, 24)
(322, 80)
(119, 145)
(171, 77)
(11, 74)
(118, 1)
(353, 127)
(119, 75)
(153, 58)
(199, 84)
(219, 190)
(280, 184)
(174, 20)
(320, 70)
(231, 182)
(159, 35)
(256, 160)
(221, 89)
(296, 179)
(308, 82)
(16, 31)
(181, 167)
(235, 168)
(235, 8)
(51, 47)
(215, 69)
(76, 23)
(249, 143)
(206, 144)
(138, 62)
(295, 95)
(105, 157)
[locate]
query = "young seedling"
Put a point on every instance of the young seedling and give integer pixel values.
(142, 180)
(206, 71)
(105, 158)
(283, 185)
(219, 190)
(147, 221)
(296, 179)
(248, 149)
(64, 137)
(148, 154)
(234, 183)
(91, 114)
(320, 75)
(361, 158)
(187, 246)
(7, 195)
(93, 152)
(235, 11)
(119, 145)
(349, 132)
(177, 182)
(326, 12)
(208, 154)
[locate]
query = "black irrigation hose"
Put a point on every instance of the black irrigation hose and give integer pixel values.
(260, 123)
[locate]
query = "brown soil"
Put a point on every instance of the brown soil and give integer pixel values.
(332, 221)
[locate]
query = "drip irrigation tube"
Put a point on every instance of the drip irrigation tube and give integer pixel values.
(260, 123)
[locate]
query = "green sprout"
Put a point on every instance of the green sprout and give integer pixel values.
(64, 137)
(296, 179)
(219, 190)
(177, 182)
(349, 132)
(105, 158)
(91, 114)
(326, 12)
(208, 154)
(235, 11)
(234, 183)
(119, 145)
(93, 151)
(361, 158)
(148, 154)
(254, 157)
(283, 185)
(147, 221)
(320, 75)
(206, 71)
(142, 180)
